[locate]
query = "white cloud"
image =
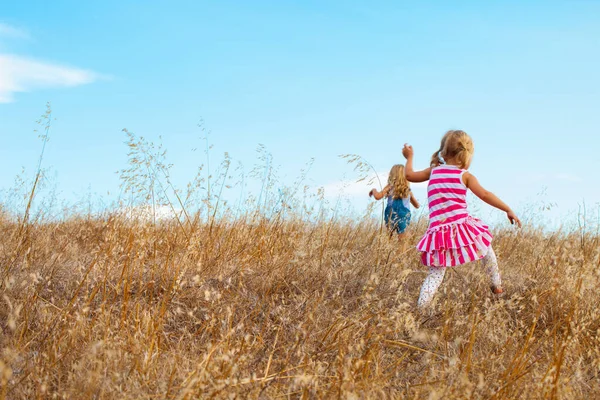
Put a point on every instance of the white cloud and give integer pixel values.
(552, 177)
(353, 188)
(563, 176)
(21, 74)
(147, 213)
(12, 32)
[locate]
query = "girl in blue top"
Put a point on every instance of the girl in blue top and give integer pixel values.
(399, 199)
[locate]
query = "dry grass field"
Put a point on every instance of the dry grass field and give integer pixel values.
(252, 307)
(267, 301)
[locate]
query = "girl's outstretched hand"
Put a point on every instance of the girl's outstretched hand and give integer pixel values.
(407, 151)
(512, 217)
(371, 192)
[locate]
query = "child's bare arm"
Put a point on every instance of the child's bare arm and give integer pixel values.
(490, 198)
(409, 172)
(377, 194)
(413, 201)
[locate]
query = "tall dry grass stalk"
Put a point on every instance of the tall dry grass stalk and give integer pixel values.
(283, 301)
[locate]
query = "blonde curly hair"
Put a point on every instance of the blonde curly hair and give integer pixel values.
(399, 186)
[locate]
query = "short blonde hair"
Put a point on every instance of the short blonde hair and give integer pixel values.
(458, 146)
(455, 144)
(399, 186)
(436, 159)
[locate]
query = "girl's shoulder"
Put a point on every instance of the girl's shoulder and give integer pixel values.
(448, 167)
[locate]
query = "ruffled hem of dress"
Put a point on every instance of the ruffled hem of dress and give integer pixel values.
(455, 243)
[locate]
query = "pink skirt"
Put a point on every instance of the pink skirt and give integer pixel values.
(455, 243)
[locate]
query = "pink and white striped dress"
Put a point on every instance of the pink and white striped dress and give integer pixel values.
(453, 236)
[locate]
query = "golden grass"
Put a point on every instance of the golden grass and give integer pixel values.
(283, 308)
(279, 307)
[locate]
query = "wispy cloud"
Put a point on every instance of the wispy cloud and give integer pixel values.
(25, 74)
(22, 74)
(12, 32)
(563, 176)
(353, 188)
(149, 213)
(553, 177)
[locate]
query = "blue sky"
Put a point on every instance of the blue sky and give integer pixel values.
(308, 79)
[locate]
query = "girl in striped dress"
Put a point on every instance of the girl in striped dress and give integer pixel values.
(399, 198)
(454, 237)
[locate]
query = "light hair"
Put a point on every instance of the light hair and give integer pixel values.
(457, 146)
(435, 157)
(399, 186)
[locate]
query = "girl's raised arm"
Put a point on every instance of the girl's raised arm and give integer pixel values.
(409, 172)
(473, 184)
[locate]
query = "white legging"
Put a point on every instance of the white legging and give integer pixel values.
(436, 276)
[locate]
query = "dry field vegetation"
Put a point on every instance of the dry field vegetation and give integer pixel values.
(279, 305)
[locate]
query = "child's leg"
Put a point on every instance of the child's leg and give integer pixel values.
(402, 226)
(402, 242)
(491, 268)
(431, 285)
